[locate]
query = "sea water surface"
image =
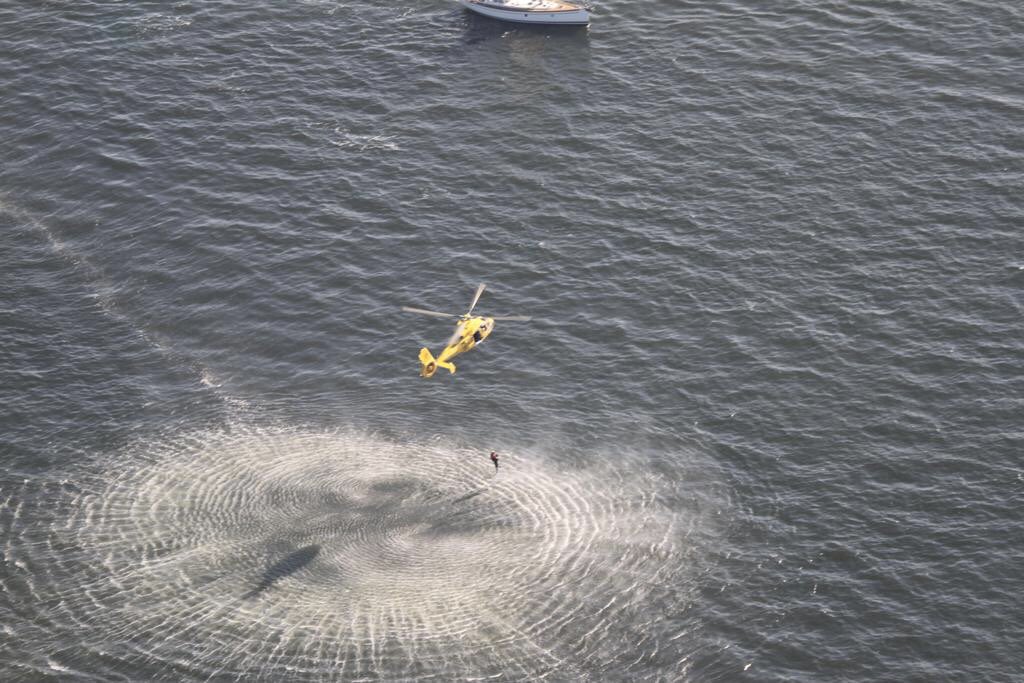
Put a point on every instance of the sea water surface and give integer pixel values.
(765, 424)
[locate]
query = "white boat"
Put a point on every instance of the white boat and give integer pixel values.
(531, 11)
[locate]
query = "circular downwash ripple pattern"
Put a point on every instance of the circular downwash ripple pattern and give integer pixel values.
(312, 555)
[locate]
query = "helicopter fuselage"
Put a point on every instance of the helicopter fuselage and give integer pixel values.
(471, 331)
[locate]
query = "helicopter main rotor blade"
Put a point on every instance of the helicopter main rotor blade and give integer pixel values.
(455, 335)
(476, 297)
(423, 311)
(520, 318)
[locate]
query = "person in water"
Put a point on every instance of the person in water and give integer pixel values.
(494, 459)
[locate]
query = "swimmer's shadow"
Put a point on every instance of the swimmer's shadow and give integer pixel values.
(471, 494)
(463, 519)
(286, 566)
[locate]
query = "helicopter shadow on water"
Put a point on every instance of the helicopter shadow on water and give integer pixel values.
(302, 557)
(286, 566)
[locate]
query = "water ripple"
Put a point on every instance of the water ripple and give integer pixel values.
(275, 551)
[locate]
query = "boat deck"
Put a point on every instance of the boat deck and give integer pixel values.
(530, 5)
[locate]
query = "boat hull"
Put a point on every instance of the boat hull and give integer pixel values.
(569, 17)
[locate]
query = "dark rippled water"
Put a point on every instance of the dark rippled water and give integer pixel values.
(764, 426)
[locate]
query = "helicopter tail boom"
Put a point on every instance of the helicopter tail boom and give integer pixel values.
(429, 364)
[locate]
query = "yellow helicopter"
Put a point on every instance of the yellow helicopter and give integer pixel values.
(470, 331)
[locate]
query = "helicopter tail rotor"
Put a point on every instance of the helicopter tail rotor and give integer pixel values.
(429, 364)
